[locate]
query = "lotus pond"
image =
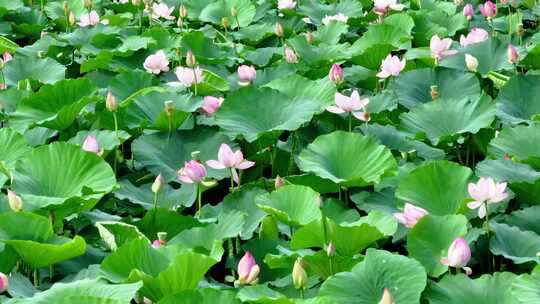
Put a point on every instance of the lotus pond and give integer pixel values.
(263, 151)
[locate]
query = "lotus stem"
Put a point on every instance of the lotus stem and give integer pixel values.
(488, 232)
(230, 246)
(232, 181)
(302, 292)
(194, 81)
(331, 262)
(155, 207)
(199, 200)
(350, 122)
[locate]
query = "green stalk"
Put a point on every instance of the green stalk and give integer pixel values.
(488, 232)
(302, 292)
(232, 181)
(199, 200)
(155, 207)
(117, 137)
(350, 122)
(194, 81)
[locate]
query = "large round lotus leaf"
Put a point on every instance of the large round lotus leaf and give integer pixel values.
(84, 291)
(520, 142)
(317, 10)
(13, 146)
(525, 219)
(252, 112)
(515, 244)
(44, 70)
(216, 10)
(293, 204)
(58, 172)
(429, 239)
(507, 170)
(460, 289)
(436, 18)
(115, 234)
(54, 106)
(25, 226)
(296, 87)
(39, 255)
(166, 153)
(130, 84)
(517, 101)
(261, 293)
(169, 198)
(525, 287)
(202, 296)
(491, 55)
(414, 87)
(444, 118)
(439, 187)
(405, 278)
(349, 159)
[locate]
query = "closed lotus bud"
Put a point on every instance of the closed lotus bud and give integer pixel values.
(158, 184)
(434, 91)
(66, 7)
(299, 275)
(512, 54)
(88, 3)
(234, 12)
(15, 202)
(290, 55)
(136, 2)
(278, 30)
(330, 249)
(458, 2)
(42, 34)
(468, 11)
(225, 22)
(4, 283)
(336, 74)
(309, 38)
(180, 22)
(471, 62)
(71, 18)
(190, 59)
(248, 270)
(169, 107)
(279, 182)
(182, 12)
(110, 102)
(387, 297)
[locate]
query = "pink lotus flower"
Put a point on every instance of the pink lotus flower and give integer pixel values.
(485, 192)
(89, 19)
(286, 4)
(229, 159)
(338, 17)
(4, 283)
(410, 215)
(91, 144)
(290, 55)
(192, 172)
(512, 54)
(246, 74)
(381, 7)
(476, 35)
(354, 105)
(391, 66)
(156, 63)
(248, 270)
(158, 243)
(336, 74)
(459, 255)
(161, 10)
(488, 9)
(468, 11)
(440, 48)
(211, 104)
(6, 57)
(188, 76)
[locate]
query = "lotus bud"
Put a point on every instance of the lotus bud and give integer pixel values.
(110, 102)
(246, 74)
(309, 38)
(15, 202)
(158, 184)
(411, 215)
(169, 108)
(488, 9)
(88, 4)
(224, 22)
(468, 11)
(248, 270)
(512, 54)
(279, 182)
(91, 144)
(71, 18)
(43, 34)
(182, 12)
(66, 8)
(190, 59)
(136, 2)
(459, 255)
(458, 2)
(434, 91)
(471, 62)
(330, 249)
(290, 55)
(234, 12)
(180, 22)
(278, 30)
(387, 297)
(507, 157)
(4, 283)
(336, 74)
(299, 275)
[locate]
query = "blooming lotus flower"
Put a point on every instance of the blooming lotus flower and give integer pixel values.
(484, 192)
(91, 144)
(188, 76)
(391, 66)
(286, 4)
(440, 48)
(512, 54)
(246, 74)
(354, 105)
(336, 74)
(381, 7)
(299, 275)
(89, 19)
(161, 10)
(459, 255)
(471, 62)
(248, 270)
(192, 172)
(338, 17)
(410, 215)
(15, 202)
(488, 9)
(476, 35)
(229, 159)
(156, 63)
(468, 11)
(387, 297)
(4, 283)
(211, 104)
(290, 55)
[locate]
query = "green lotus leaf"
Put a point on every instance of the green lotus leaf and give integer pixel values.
(216, 10)
(445, 118)
(292, 204)
(414, 87)
(39, 255)
(13, 146)
(436, 21)
(85, 292)
(525, 219)
(167, 221)
(507, 170)
(330, 33)
(525, 287)
(382, 34)
(439, 187)
(516, 102)
(460, 289)
(261, 293)
(25, 226)
(428, 241)
(321, 91)
(169, 198)
(520, 142)
(44, 70)
(349, 159)
(54, 106)
(58, 172)
(166, 153)
(317, 10)
(515, 244)
(318, 54)
(202, 296)
(115, 234)
(405, 279)
(130, 84)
